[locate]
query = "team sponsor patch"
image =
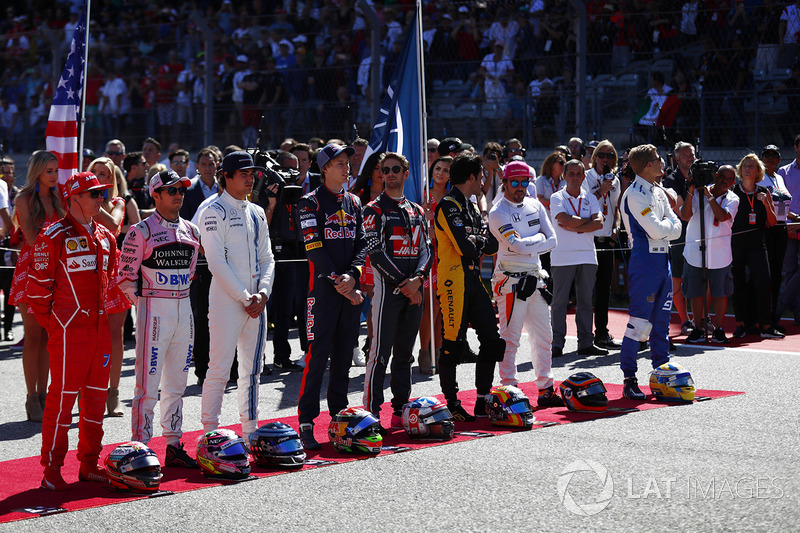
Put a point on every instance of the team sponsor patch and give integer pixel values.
(515, 217)
(310, 223)
(369, 222)
(81, 263)
(534, 222)
(313, 245)
(510, 236)
(646, 210)
(76, 244)
(506, 227)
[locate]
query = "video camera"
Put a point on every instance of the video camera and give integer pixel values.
(275, 174)
(702, 173)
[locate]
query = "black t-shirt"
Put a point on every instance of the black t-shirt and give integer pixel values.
(677, 182)
(746, 235)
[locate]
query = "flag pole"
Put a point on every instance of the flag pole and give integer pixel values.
(423, 111)
(83, 91)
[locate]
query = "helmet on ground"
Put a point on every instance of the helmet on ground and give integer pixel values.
(508, 406)
(672, 383)
(132, 466)
(277, 444)
(221, 454)
(428, 417)
(355, 430)
(584, 392)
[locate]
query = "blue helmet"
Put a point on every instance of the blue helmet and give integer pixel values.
(276, 444)
(670, 382)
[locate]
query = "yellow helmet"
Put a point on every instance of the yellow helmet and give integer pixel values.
(672, 383)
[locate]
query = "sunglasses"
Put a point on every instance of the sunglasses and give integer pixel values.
(605, 155)
(397, 169)
(172, 191)
(560, 162)
(432, 150)
(492, 156)
(115, 153)
(97, 193)
(518, 183)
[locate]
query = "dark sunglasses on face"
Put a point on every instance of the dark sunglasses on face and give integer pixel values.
(96, 193)
(432, 150)
(115, 153)
(605, 155)
(492, 156)
(172, 191)
(517, 183)
(397, 169)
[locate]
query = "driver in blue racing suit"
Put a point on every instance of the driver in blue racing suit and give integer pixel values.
(651, 224)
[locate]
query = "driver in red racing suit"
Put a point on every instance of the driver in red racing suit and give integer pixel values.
(72, 264)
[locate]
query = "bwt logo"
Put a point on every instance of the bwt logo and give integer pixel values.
(153, 360)
(601, 500)
(172, 279)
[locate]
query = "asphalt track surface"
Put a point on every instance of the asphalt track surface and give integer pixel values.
(724, 465)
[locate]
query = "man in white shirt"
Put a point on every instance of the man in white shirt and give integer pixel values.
(576, 216)
(523, 230)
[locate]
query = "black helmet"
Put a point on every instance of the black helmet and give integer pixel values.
(276, 444)
(584, 392)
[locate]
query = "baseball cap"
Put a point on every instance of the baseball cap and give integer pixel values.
(771, 148)
(516, 169)
(238, 160)
(81, 182)
(332, 151)
(88, 152)
(165, 178)
(452, 144)
(241, 58)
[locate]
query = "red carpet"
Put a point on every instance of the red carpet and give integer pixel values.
(618, 320)
(19, 485)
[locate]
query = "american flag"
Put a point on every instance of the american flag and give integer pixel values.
(62, 124)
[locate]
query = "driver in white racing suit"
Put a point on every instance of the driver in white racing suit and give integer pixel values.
(235, 238)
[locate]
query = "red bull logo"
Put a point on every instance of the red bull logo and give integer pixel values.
(340, 218)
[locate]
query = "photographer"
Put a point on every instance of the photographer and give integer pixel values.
(719, 209)
(278, 194)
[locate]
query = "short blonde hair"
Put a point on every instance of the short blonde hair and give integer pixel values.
(759, 165)
(640, 156)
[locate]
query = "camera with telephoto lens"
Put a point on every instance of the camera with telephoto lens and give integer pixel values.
(701, 173)
(274, 174)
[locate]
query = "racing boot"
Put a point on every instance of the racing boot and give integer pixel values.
(52, 480)
(91, 472)
(459, 413)
(549, 398)
(307, 437)
(631, 389)
(480, 407)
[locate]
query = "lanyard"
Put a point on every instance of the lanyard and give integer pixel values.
(577, 211)
(749, 201)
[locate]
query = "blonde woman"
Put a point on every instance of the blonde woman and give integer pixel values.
(37, 206)
(112, 215)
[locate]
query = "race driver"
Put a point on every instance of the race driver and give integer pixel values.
(333, 233)
(158, 260)
(235, 239)
(73, 262)
(651, 224)
(523, 230)
(462, 240)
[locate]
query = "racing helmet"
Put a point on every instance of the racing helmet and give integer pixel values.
(428, 417)
(277, 444)
(355, 430)
(584, 393)
(672, 383)
(133, 467)
(509, 406)
(221, 454)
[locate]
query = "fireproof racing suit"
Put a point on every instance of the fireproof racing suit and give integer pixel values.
(235, 238)
(462, 295)
(397, 243)
(156, 268)
(651, 223)
(67, 284)
(333, 234)
(524, 231)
